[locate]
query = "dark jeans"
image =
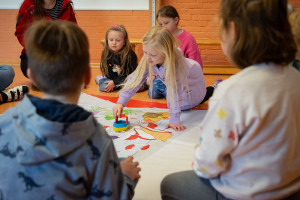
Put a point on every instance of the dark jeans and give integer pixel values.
(102, 84)
(159, 90)
(7, 75)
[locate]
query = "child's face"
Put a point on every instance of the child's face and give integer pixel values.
(169, 23)
(153, 56)
(115, 40)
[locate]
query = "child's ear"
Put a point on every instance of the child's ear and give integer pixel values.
(30, 76)
(233, 29)
(87, 76)
(176, 20)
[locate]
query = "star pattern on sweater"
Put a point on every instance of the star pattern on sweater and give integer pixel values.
(218, 133)
(204, 170)
(222, 114)
(232, 136)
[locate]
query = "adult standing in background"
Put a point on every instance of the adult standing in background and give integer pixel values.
(32, 10)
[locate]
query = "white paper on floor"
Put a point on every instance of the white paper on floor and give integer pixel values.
(160, 151)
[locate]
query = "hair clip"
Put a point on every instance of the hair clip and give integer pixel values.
(116, 26)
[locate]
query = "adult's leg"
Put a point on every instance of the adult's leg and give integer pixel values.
(7, 75)
(187, 185)
(159, 90)
(24, 64)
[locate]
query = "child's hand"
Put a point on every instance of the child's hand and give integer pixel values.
(117, 110)
(131, 168)
(110, 86)
(176, 127)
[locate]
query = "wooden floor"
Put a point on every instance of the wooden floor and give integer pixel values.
(93, 88)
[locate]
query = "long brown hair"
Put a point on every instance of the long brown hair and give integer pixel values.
(263, 32)
(124, 52)
(39, 9)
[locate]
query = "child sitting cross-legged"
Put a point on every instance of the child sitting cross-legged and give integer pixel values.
(50, 148)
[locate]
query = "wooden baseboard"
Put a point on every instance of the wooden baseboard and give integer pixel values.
(207, 69)
(220, 69)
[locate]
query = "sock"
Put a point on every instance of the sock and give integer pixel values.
(218, 80)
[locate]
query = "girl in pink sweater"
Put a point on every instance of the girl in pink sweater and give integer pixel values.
(168, 17)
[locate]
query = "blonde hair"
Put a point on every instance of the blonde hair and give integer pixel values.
(164, 42)
(295, 24)
(58, 55)
(124, 52)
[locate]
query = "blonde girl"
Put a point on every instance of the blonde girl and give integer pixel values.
(182, 77)
(118, 60)
(250, 136)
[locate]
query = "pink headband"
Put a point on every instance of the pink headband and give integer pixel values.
(116, 26)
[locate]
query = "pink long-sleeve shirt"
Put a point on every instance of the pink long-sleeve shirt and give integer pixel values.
(189, 47)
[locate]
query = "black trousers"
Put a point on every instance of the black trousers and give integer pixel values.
(24, 64)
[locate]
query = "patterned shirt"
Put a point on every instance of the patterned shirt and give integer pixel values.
(54, 12)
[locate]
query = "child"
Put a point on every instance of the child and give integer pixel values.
(168, 17)
(182, 80)
(32, 10)
(7, 75)
(50, 148)
(118, 60)
(295, 24)
(250, 135)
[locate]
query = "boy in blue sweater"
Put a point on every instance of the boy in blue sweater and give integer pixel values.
(50, 148)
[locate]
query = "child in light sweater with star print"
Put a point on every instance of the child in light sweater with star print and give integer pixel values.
(250, 136)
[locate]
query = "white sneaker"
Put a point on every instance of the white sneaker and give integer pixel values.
(14, 94)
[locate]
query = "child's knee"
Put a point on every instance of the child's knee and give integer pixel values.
(102, 87)
(155, 95)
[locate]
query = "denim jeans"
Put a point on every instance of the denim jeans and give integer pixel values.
(7, 75)
(102, 84)
(159, 90)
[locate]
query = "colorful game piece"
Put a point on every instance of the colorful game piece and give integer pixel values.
(121, 125)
